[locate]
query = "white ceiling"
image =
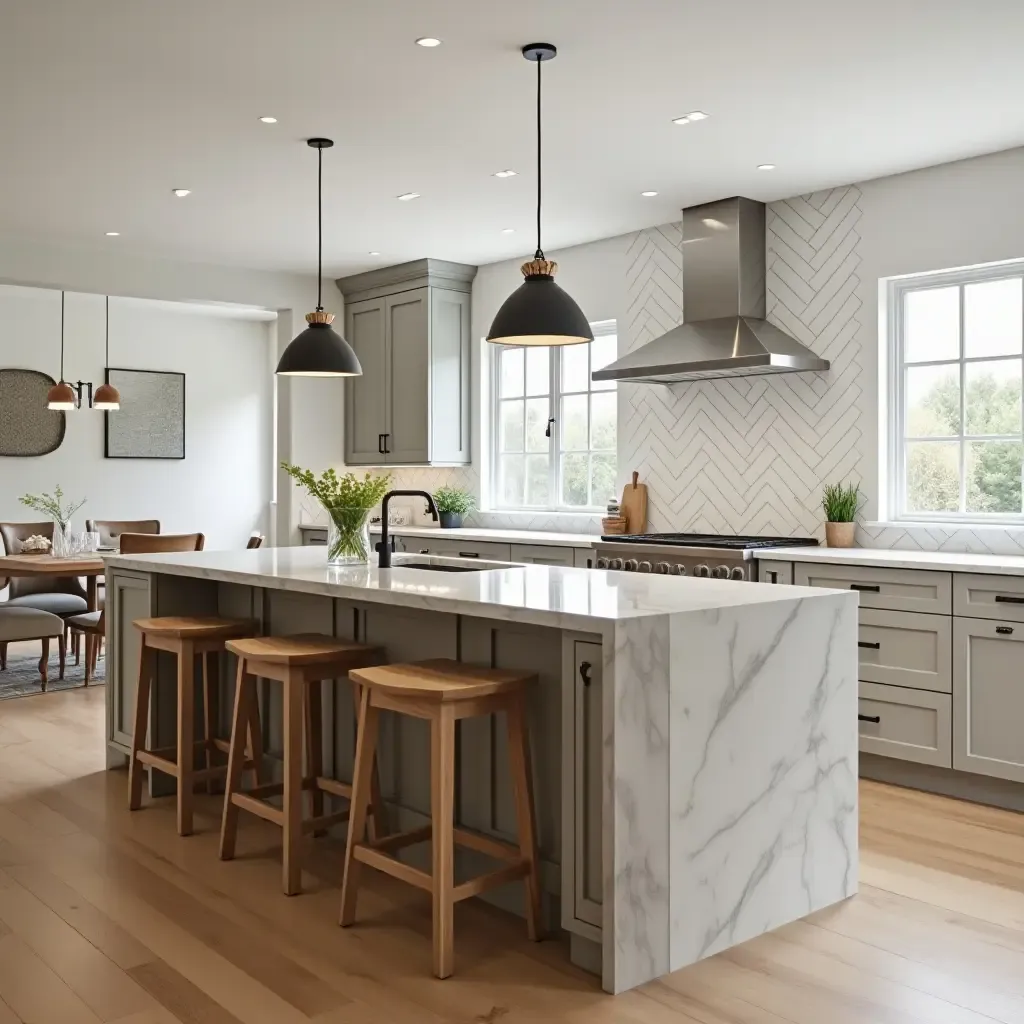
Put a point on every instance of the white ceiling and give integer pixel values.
(109, 104)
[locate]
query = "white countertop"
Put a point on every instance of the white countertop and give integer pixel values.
(946, 561)
(548, 537)
(543, 594)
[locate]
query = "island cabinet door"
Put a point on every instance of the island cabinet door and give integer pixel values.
(582, 791)
(129, 597)
(365, 414)
(988, 698)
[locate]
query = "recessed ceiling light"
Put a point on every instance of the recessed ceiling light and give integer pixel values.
(428, 41)
(766, 167)
(373, 252)
(269, 120)
(648, 194)
(406, 196)
(112, 234)
(508, 231)
(182, 192)
(505, 174)
(693, 115)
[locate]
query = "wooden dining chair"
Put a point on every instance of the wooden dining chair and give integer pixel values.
(92, 625)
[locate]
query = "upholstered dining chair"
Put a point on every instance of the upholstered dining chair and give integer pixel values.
(92, 625)
(110, 530)
(58, 595)
(19, 624)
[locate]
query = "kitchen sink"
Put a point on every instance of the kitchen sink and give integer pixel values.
(446, 565)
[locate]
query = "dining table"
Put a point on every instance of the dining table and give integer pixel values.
(88, 565)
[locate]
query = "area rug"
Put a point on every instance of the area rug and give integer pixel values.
(21, 677)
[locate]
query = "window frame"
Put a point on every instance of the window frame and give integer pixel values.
(896, 436)
(600, 328)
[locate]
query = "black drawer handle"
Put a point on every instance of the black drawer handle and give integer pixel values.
(469, 554)
(585, 672)
(869, 645)
(869, 718)
(1008, 599)
(1005, 630)
(871, 588)
(380, 444)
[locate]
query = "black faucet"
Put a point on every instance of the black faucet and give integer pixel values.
(384, 547)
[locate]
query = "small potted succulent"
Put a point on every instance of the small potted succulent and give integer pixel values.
(840, 503)
(452, 504)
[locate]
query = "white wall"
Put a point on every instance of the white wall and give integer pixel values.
(222, 488)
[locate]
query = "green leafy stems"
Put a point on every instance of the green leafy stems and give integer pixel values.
(454, 500)
(347, 500)
(53, 505)
(840, 502)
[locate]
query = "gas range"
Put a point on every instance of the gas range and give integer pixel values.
(702, 555)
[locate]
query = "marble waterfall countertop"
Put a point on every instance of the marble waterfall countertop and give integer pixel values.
(541, 594)
(944, 561)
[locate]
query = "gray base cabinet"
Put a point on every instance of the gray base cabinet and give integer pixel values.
(912, 725)
(988, 698)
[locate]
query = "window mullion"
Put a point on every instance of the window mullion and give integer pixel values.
(963, 406)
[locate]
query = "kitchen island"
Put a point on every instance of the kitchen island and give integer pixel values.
(694, 741)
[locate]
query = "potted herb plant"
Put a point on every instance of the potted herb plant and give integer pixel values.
(348, 501)
(54, 506)
(452, 504)
(840, 503)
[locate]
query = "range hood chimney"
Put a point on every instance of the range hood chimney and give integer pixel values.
(724, 332)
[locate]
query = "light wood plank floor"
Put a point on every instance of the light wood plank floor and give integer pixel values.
(106, 916)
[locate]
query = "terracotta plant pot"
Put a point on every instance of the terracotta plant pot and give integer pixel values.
(840, 535)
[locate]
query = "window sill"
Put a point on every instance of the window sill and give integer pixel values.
(942, 524)
(585, 513)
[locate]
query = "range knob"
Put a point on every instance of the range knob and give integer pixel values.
(721, 572)
(615, 563)
(602, 563)
(646, 567)
(737, 573)
(677, 570)
(703, 571)
(663, 568)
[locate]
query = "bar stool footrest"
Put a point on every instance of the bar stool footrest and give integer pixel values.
(324, 821)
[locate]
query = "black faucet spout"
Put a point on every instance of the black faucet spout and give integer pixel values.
(384, 548)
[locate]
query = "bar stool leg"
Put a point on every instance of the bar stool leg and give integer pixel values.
(315, 747)
(378, 823)
(292, 868)
(186, 734)
(522, 790)
(365, 762)
(240, 721)
(211, 703)
(442, 813)
(255, 732)
(136, 772)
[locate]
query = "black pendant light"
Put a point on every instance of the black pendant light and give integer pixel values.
(539, 312)
(107, 396)
(319, 351)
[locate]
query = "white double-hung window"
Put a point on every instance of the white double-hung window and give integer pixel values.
(554, 428)
(956, 366)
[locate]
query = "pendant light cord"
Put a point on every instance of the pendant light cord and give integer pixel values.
(539, 255)
(62, 337)
(106, 340)
(319, 226)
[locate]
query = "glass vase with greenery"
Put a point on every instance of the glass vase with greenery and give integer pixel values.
(54, 506)
(452, 504)
(840, 503)
(348, 501)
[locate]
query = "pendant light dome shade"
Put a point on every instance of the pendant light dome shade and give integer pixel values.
(539, 312)
(319, 351)
(60, 396)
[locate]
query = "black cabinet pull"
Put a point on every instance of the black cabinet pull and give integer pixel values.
(1005, 630)
(1008, 599)
(869, 718)
(387, 450)
(469, 554)
(585, 672)
(869, 645)
(871, 588)
(380, 444)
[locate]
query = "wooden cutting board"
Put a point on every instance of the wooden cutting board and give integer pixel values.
(634, 505)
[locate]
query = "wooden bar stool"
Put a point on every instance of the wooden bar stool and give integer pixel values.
(443, 692)
(185, 637)
(300, 663)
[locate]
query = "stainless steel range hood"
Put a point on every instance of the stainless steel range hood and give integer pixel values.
(724, 332)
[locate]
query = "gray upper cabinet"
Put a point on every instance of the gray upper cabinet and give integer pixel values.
(409, 326)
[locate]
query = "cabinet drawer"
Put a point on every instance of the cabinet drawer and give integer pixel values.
(988, 597)
(895, 590)
(457, 548)
(988, 694)
(906, 649)
(540, 554)
(912, 725)
(774, 572)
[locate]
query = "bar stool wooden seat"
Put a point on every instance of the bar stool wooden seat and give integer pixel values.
(185, 637)
(443, 692)
(300, 663)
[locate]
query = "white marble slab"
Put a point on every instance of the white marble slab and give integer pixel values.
(948, 561)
